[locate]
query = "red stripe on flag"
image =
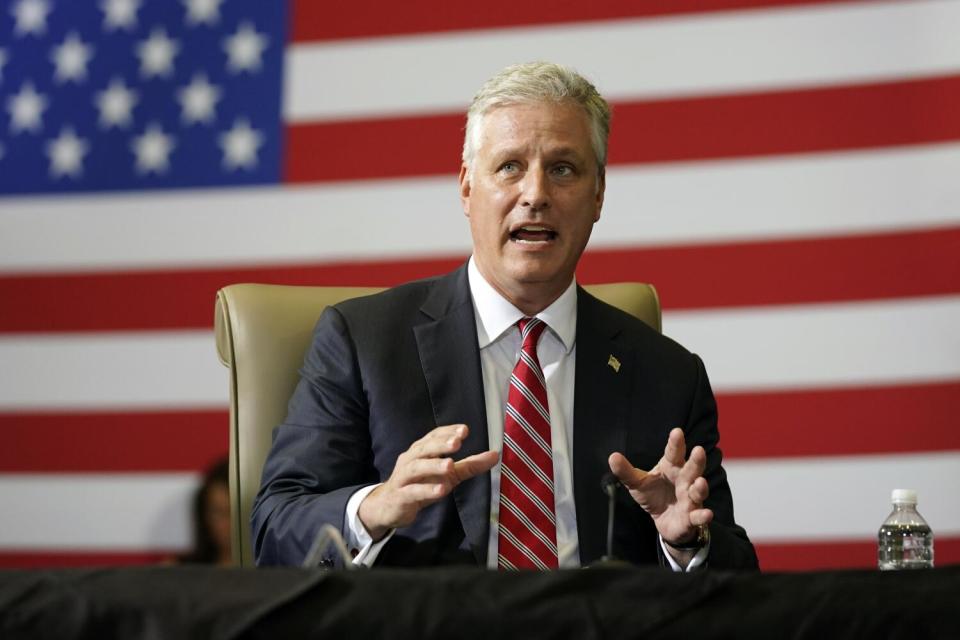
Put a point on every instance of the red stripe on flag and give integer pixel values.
(810, 423)
(428, 144)
(115, 442)
(33, 559)
(171, 299)
(822, 269)
(654, 131)
(860, 554)
(889, 419)
(889, 265)
(314, 21)
(798, 121)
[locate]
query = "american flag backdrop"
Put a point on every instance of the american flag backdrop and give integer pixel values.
(786, 172)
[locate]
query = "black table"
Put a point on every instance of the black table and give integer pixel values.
(196, 602)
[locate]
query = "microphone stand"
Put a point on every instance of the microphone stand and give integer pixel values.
(326, 537)
(609, 485)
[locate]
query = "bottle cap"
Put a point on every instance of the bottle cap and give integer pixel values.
(904, 496)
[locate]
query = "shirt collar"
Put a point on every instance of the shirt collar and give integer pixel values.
(495, 314)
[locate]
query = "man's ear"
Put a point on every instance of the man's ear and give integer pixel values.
(465, 189)
(601, 190)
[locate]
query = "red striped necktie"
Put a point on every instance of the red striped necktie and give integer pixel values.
(528, 525)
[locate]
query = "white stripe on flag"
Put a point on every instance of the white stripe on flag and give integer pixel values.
(721, 52)
(796, 346)
(802, 196)
(112, 370)
(824, 345)
(842, 497)
(135, 511)
(832, 498)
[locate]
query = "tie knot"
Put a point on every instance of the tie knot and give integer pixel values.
(530, 332)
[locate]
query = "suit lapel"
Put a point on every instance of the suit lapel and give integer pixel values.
(600, 404)
(450, 358)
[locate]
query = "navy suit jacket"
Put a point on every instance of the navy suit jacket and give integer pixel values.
(384, 370)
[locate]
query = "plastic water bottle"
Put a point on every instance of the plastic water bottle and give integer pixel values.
(905, 539)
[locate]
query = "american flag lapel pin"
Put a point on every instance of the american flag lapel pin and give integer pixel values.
(613, 363)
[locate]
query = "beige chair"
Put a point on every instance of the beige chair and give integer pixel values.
(262, 334)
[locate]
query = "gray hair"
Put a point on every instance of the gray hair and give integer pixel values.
(538, 82)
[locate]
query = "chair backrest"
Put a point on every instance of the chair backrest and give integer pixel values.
(262, 333)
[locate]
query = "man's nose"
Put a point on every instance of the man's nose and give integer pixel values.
(534, 191)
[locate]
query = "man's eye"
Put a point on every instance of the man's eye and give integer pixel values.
(563, 170)
(509, 167)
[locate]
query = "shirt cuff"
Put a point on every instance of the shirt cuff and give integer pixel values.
(359, 542)
(698, 560)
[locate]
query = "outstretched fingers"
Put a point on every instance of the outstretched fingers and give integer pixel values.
(428, 467)
(423, 474)
(676, 450)
(693, 468)
(698, 491)
(425, 470)
(441, 441)
(700, 516)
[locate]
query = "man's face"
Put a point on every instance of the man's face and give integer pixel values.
(532, 199)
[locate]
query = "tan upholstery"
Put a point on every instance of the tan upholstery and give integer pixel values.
(262, 334)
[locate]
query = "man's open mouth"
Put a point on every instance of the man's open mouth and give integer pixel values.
(532, 234)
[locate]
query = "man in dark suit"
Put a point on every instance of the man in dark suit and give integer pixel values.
(408, 398)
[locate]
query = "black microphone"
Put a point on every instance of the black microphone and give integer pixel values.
(609, 485)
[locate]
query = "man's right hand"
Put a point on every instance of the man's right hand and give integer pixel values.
(424, 473)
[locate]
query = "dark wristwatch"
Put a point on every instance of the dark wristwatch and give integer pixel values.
(702, 539)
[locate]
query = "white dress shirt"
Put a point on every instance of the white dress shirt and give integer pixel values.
(499, 341)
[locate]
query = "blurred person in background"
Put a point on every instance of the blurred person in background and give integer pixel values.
(211, 519)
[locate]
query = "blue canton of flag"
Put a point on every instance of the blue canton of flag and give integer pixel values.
(131, 94)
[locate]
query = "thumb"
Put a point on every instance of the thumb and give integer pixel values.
(626, 473)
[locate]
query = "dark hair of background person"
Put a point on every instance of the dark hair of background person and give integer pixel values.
(211, 546)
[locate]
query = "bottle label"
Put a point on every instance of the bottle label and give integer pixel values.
(913, 543)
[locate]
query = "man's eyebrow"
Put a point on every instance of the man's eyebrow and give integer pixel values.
(565, 151)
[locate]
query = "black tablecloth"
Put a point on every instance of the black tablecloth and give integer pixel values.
(195, 602)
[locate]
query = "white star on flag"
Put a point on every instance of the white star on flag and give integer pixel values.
(71, 59)
(240, 145)
(26, 109)
(66, 153)
(3, 61)
(244, 49)
(119, 14)
(202, 11)
(116, 104)
(198, 100)
(153, 150)
(156, 54)
(31, 17)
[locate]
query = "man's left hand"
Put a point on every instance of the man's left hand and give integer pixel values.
(673, 492)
